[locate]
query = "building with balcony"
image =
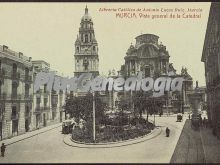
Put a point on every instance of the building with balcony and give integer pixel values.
(16, 87)
(211, 59)
(48, 105)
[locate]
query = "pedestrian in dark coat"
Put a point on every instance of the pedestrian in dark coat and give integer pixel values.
(167, 132)
(3, 149)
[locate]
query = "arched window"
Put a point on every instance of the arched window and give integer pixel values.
(14, 89)
(93, 48)
(86, 38)
(82, 37)
(0, 87)
(90, 37)
(14, 68)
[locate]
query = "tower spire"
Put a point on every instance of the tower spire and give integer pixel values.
(86, 10)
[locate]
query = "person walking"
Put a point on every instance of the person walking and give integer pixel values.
(167, 132)
(3, 149)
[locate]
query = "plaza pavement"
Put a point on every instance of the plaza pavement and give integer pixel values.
(27, 135)
(48, 147)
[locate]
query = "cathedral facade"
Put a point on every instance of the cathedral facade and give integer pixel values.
(86, 48)
(148, 56)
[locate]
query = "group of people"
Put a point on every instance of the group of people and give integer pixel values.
(202, 122)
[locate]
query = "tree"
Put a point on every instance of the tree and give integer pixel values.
(82, 107)
(124, 104)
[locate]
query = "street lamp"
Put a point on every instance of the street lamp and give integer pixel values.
(93, 108)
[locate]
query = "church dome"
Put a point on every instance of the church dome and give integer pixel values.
(86, 16)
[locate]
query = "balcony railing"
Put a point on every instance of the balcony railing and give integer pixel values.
(46, 108)
(54, 105)
(27, 114)
(38, 109)
(14, 116)
(15, 76)
(2, 73)
(16, 97)
(28, 97)
(28, 78)
(3, 96)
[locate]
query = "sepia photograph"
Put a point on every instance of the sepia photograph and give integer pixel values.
(110, 82)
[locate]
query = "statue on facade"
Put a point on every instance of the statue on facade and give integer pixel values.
(171, 68)
(109, 73)
(85, 63)
(185, 73)
(113, 72)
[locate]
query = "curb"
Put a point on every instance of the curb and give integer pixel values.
(110, 145)
(112, 142)
(32, 135)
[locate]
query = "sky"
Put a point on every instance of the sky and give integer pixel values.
(47, 31)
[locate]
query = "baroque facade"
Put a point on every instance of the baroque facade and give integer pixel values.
(152, 58)
(211, 59)
(148, 56)
(86, 48)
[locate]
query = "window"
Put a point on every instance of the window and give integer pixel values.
(82, 37)
(14, 68)
(38, 101)
(27, 111)
(77, 49)
(14, 89)
(26, 71)
(14, 111)
(93, 48)
(45, 88)
(26, 90)
(0, 87)
(86, 38)
(147, 72)
(45, 101)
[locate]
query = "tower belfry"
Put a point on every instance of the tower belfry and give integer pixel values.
(86, 48)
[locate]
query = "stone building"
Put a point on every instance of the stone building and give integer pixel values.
(211, 59)
(47, 104)
(86, 48)
(16, 85)
(148, 56)
(22, 110)
(152, 58)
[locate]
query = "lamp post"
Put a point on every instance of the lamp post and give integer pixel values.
(93, 108)
(154, 110)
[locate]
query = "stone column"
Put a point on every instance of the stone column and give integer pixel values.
(7, 127)
(21, 119)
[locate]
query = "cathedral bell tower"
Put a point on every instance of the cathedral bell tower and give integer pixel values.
(86, 48)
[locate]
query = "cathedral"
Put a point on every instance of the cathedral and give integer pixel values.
(86, 48)
(147, 56)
